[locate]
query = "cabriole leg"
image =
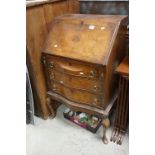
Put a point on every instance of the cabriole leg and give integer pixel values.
(48, 102)
(105, 124)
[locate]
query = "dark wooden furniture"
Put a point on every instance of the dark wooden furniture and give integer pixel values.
(122, 107)
(79, 58)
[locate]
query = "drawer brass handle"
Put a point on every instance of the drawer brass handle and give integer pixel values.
(95, 88)
(95, 101)
(54, 87)
(102, 75)
(44, 61)
(91, 74)
(51, 64)
(61, 82)
(52, 76)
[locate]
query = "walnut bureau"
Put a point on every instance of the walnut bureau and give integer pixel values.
(79, 58)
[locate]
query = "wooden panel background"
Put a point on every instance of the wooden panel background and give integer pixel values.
(38, 19)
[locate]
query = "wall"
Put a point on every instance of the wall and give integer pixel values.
(114, 7)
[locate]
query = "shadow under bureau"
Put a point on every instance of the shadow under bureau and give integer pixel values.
(79, 58)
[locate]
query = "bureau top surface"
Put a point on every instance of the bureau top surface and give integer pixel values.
(82, 37)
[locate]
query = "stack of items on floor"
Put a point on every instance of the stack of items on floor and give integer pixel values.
(89, 122)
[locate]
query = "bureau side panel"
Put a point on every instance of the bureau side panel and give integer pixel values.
(116, 56)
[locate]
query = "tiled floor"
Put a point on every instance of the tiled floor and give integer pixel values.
(61, 137)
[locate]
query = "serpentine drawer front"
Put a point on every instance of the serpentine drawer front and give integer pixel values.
(78, 96)
(75, 68)
(76, 82)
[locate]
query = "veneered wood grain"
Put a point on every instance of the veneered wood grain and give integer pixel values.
(82, 107)
(78, 96)
(73, 81)
(60, 9)
(73, 67)
(36, 33)
(48, 14)
(73, 6)
(53, 10)
(83, 37)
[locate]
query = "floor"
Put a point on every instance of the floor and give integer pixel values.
(61, 137)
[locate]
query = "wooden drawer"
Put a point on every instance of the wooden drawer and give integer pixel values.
(75, 68)
(76, 82)
(77, 95)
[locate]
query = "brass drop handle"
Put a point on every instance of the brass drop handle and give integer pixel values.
(54, 87)
(95, 87)
(91, 74)
(52, 76)
(95, 101)
(44, 60)
(94, 104)
(51, 64)
(61, 82)
(102, 75)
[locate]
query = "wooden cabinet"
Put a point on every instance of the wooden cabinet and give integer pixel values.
(39, 15)
(79, 58)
